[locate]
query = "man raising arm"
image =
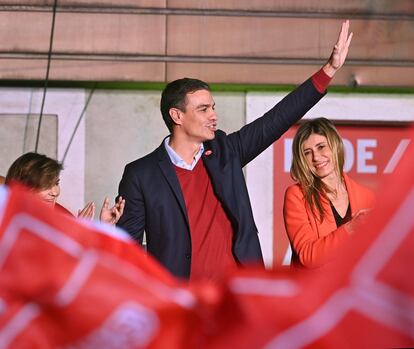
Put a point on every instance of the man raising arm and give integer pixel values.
(189, 194)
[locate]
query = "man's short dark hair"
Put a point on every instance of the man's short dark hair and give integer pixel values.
(34, 170)
(174, 96)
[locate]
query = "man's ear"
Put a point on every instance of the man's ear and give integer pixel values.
(176, 115)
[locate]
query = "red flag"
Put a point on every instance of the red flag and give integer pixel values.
(66, 283)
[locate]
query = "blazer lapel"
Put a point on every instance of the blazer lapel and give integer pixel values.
(219, 176)
(351, 196)
(329, 224)
(167, 170)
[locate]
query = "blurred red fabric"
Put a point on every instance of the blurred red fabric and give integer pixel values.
(67, 283)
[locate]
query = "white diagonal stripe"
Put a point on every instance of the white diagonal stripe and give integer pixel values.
(398, 153)
(17, 324)
(77, 279)
(32, 225)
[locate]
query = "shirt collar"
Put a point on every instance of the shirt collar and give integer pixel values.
(177, 159)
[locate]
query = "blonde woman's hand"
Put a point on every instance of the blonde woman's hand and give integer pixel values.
(357, 220)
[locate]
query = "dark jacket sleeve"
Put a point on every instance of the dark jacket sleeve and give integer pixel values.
(255, 137)
(133, 218)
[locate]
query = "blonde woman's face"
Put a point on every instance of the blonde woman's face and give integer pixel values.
(51, 194)
(319, 156)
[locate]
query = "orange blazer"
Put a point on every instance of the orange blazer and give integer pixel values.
(313, 242)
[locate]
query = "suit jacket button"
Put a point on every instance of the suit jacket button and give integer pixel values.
(188, 256)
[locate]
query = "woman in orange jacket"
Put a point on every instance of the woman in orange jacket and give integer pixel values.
(324, 207)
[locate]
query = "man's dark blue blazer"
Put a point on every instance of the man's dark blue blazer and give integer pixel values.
(155, 203)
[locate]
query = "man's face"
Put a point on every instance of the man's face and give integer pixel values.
(199, 121)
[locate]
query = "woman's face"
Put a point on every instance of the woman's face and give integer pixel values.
(319, 156)
(51, 194)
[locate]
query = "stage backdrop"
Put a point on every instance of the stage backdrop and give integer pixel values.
(375, 132)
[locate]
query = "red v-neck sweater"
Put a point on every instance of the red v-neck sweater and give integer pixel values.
(210, 229)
